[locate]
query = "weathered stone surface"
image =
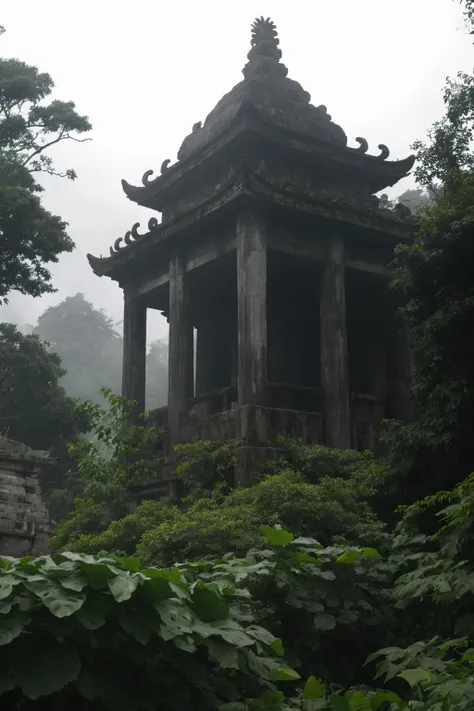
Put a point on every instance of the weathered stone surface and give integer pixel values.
(24, 520)
(134, 349)
(334, 355)
(280, 100)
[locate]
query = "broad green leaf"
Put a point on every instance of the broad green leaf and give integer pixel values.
(370, 553)
(340, 703)
(138, 623)
(324, 622)
(415, 676)
(10, 628)
(75, 582)
(226, 655)
(42, 670)
(301, 541)
(303, 557)
(186, 643)
(5, 608)
(129, 563)
(177, 619)
(277, 646)
(314, 689)
(172, 574)
(208, 605)
(89, 618)
(98, 574)
(272, 698)
(382, 697)
(123, 586)
(284, 673)
(358, 701)
(233, 706)
(277, 536)
(348, 557)
(7, 583)
(62, 603)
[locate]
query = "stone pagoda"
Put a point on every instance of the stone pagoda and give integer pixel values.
(270, 264)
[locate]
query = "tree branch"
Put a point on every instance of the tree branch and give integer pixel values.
(43, 148)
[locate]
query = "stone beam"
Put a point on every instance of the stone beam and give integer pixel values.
(195, 258)
(370, 267)
(198, 258)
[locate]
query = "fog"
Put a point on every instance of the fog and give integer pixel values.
(145, 72)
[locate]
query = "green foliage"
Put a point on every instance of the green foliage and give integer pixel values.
(315, 462)
(89, 347)
(91, 351)
(334, 511)
(100, 629)
(118, 457)
(417, 200)
(448, 155)
(203, 464)
(34, 408)
(433, 281)
(31, 237)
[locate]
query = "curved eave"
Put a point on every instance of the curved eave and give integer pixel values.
(99, 265)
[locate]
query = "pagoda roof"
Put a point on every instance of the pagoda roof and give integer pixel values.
(269, 107)
(283, 111)
(243, 184)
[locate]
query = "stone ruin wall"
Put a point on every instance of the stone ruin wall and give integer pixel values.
(24, 519)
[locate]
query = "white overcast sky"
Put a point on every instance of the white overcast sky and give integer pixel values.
(145, 72)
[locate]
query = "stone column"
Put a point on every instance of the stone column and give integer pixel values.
(251, 309)
(334, 360)
(181, 384)
(134, 350)
(251, 342)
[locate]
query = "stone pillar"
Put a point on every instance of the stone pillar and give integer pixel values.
(251, 342)
(334, 360)
(181, 382)
(251, 309)
(134, 350)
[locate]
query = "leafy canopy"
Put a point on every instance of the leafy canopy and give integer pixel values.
(31, 237)
(34, 408)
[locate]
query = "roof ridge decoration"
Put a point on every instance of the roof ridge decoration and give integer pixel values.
(133, 235)
(266, 85)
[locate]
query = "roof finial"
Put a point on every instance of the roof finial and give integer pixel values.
(264, 56)
(264, 39)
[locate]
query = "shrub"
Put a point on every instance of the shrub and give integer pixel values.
(75, 628)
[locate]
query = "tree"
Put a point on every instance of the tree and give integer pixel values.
(31, 237)
(433, 280)
(416, 200)
(88, 345)
(447, 156)
(34, 408)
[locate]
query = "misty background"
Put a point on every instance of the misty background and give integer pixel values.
(145, 72)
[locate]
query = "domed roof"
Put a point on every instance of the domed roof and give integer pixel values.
(278, 99)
